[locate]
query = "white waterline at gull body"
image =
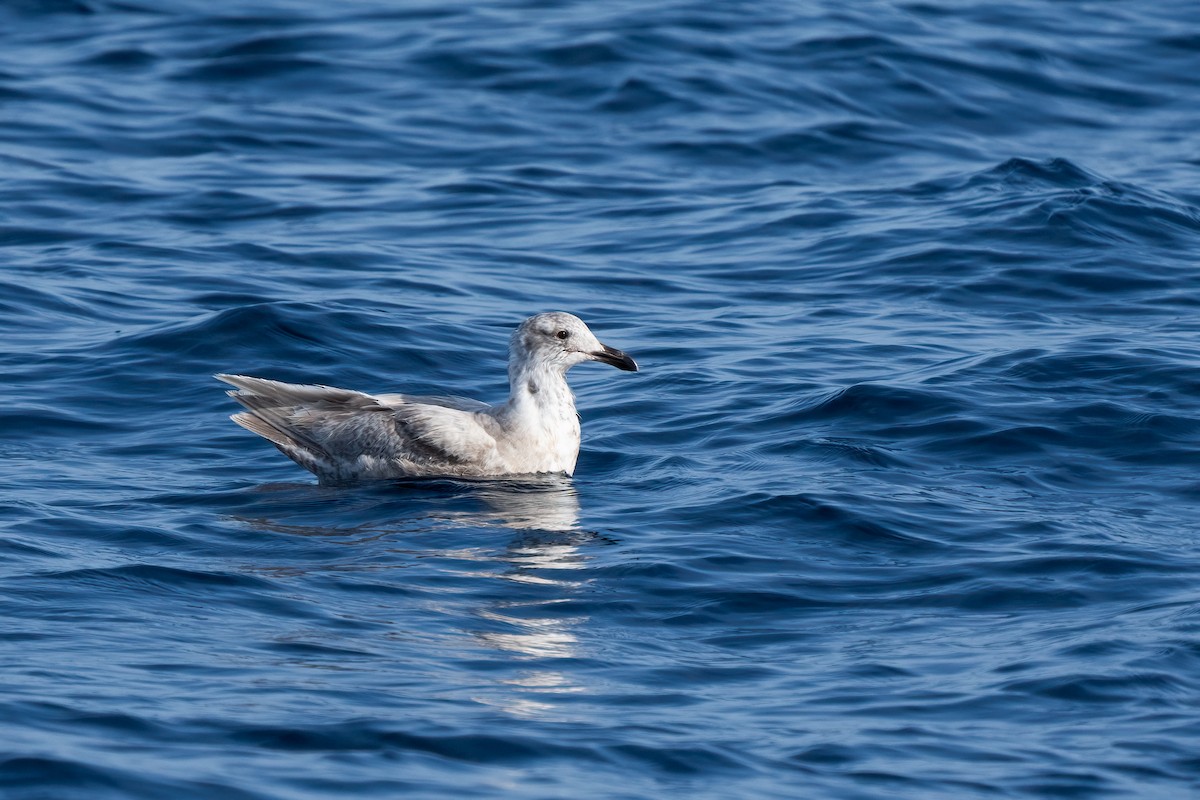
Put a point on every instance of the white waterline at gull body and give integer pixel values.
(344, 435)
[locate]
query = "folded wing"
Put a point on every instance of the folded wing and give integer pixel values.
(340, 434)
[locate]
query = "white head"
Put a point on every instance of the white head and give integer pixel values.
(560, 341)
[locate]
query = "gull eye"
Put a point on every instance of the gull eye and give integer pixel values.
(563, 334)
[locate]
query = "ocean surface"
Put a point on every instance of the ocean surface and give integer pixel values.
(905, 502)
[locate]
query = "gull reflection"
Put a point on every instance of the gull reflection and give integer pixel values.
(518, 600)
(549, 503)
(549, 559)
(537, 630)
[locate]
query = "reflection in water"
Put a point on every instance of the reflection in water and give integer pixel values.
(531, 693)
(534, 630)
(540, 638)
(549, 503)
(537, 630)
(528, 628)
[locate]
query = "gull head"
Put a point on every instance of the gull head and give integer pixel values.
(560, 340)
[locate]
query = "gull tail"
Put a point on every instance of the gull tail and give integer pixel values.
(283, 414)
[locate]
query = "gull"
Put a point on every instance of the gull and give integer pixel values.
(342, 435)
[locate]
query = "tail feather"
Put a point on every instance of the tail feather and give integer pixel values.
(278, 412)
(294, 394)
(276, 429)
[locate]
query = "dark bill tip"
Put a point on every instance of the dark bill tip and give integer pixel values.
(611, 355)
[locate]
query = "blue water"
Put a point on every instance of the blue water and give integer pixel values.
(904, 503)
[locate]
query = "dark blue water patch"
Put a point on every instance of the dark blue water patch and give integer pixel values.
(71, 7)
(1103, 689)
(148, 577)
(36, 236)
(31, 776)
(869, 402)
(902, 503)
(130, 58)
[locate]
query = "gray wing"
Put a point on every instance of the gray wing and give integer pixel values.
(459, 403)
(342, 434)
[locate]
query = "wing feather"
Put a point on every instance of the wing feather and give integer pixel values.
(340, 433)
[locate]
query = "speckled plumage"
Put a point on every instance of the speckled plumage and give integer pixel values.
(344, 435)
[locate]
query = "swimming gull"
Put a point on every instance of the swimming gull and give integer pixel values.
(342, 435)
